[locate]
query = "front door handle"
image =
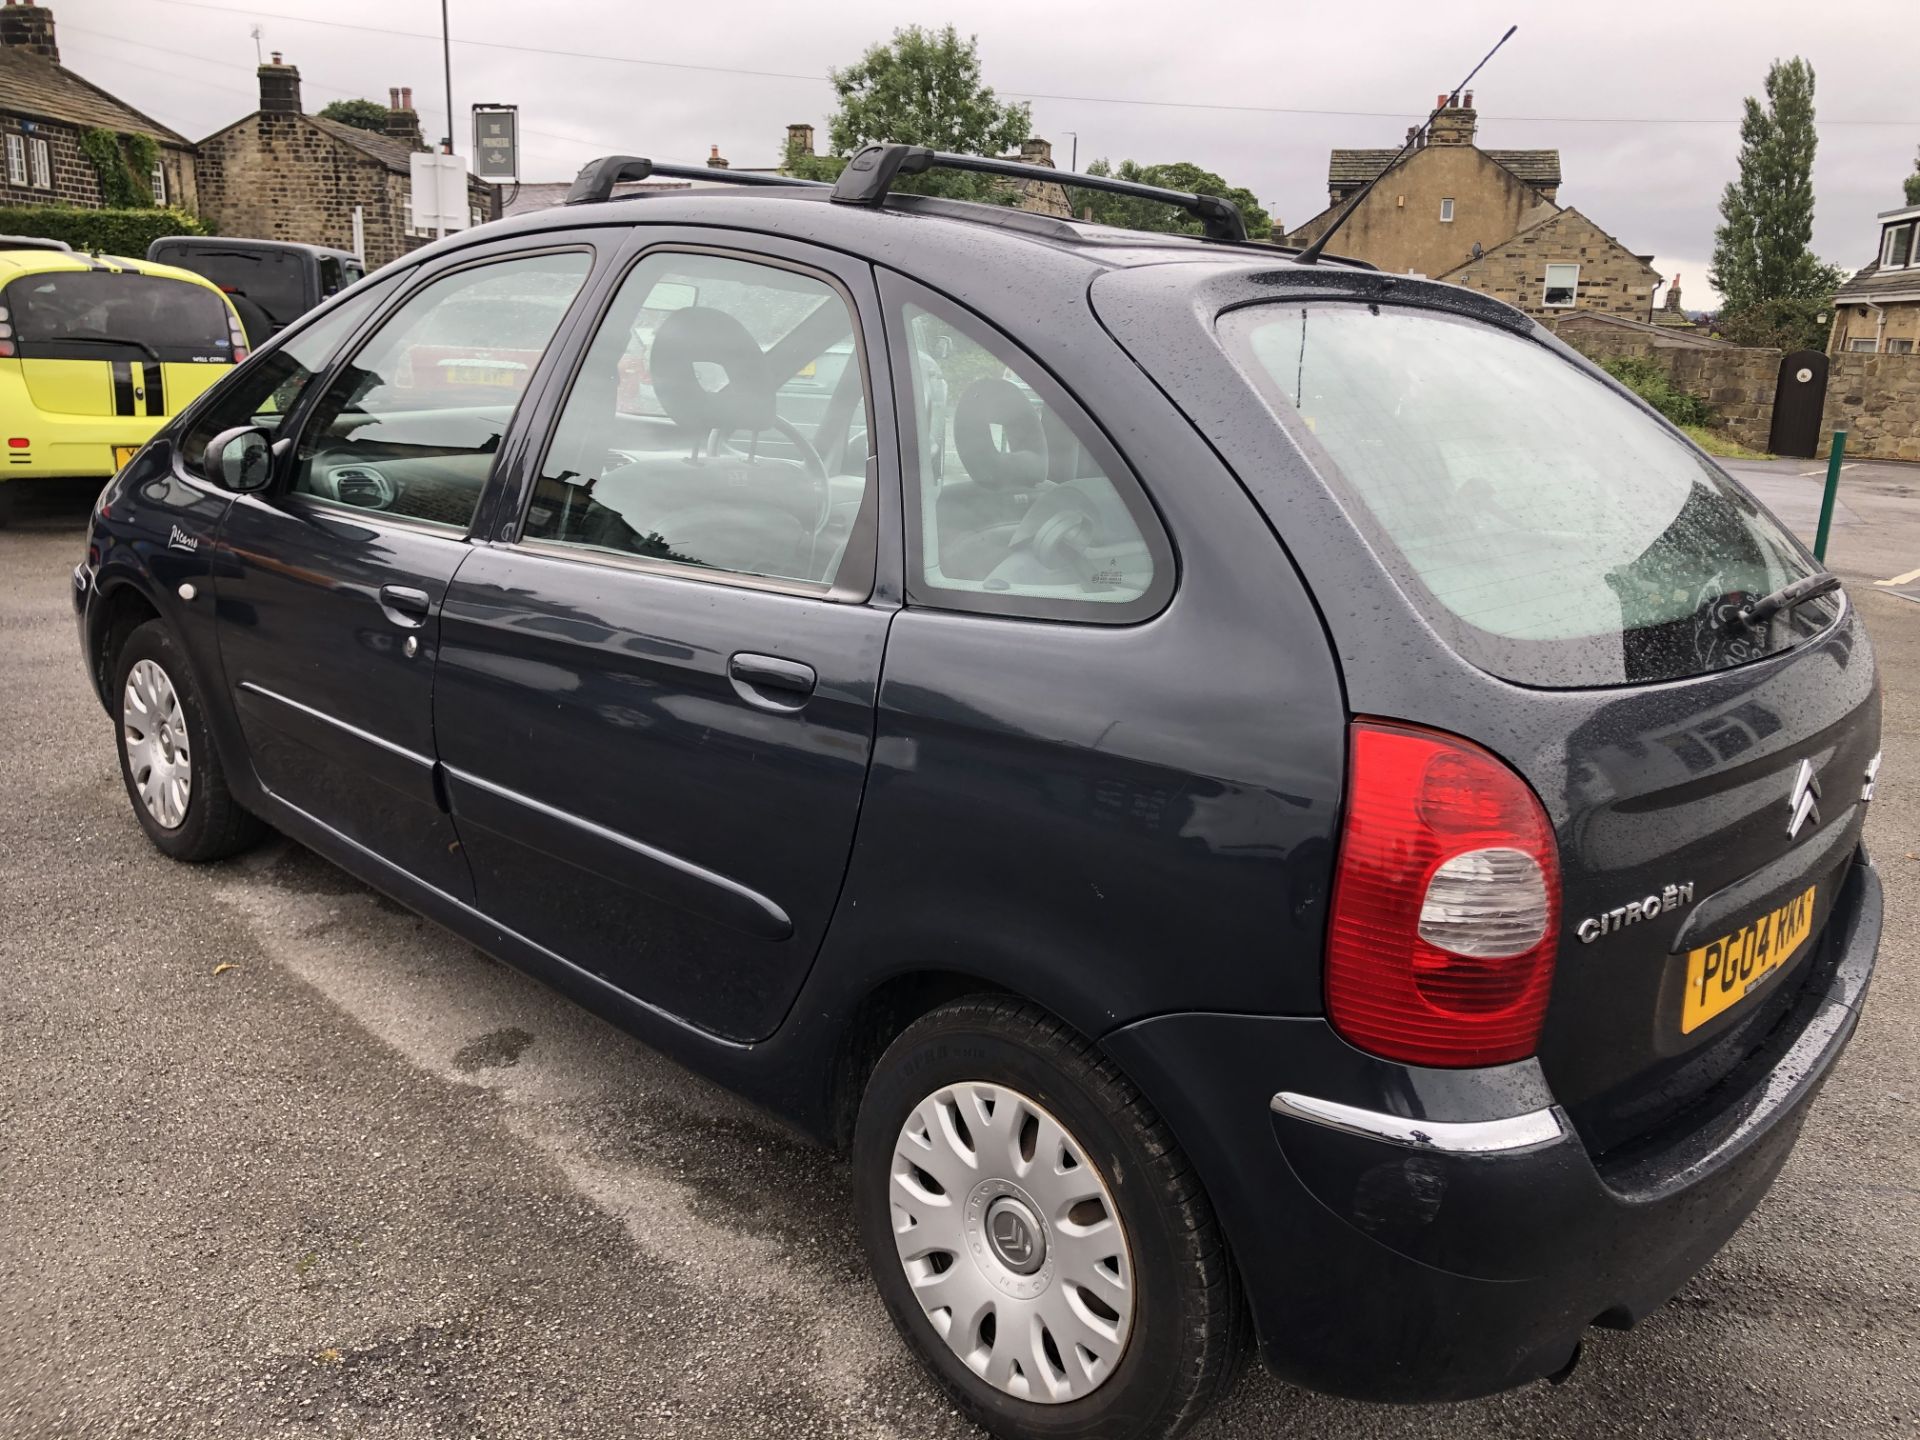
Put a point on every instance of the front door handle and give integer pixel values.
(770, 682)
(405, 606)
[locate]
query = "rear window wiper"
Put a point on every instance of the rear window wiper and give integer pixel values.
(140, 345)
(1757, 612)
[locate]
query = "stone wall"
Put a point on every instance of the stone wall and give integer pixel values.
(1874, 398)
(74, 180)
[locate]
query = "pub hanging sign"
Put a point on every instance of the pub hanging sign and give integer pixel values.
(496, 142)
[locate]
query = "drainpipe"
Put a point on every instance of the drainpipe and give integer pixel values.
(1879, 323)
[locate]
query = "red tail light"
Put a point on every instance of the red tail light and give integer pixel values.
(1446, 903)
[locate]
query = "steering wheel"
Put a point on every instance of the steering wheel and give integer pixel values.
(719, 439)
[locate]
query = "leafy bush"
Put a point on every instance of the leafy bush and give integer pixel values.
(361, 114)
(1653, 385)
(111, 232)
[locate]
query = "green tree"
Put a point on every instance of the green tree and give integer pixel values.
(361, 114)
(1912, 182)
(923, 87)
(1131, 214)
(1761, 252)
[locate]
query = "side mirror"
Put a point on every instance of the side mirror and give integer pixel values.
(240, 459)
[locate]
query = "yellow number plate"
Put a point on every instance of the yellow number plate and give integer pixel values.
(481, 375)
(1721, 974)
(122, 454)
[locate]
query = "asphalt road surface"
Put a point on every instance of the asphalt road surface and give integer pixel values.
(277, 1157)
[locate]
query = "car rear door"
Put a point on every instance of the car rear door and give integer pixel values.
(655, 696)
(331, 582)
(1516, 552)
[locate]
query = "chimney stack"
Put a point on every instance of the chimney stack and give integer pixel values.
(403, 122)
(1673, 295)
(800, 139)
(28, 27)
(1037, 152)
(279, 87)
(715, 161)
(1454, 125)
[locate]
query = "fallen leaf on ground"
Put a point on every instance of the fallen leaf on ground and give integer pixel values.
(224, 966)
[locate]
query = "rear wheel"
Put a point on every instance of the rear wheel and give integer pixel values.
(1037, 1236)
(179, 793)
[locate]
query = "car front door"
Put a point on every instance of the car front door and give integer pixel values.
(654, 706)
(331, 582)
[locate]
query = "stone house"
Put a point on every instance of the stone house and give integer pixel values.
(281, 174)
(1488, 219)
(1877, 312)
(45, 109)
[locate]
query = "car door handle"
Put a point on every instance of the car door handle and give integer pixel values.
(770, 682)
(405, 605)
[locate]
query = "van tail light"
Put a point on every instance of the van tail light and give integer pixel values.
(1446, 903)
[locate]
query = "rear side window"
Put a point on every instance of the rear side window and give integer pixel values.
(108, 315)
(1552, 530)
(1016, 503)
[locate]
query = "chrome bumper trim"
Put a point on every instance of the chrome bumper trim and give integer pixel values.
(1455, 1137)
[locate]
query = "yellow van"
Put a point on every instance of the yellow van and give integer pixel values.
(96, 352)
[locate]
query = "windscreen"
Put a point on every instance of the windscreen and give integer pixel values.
(91, 314)
(1555, 533)
(274, 280)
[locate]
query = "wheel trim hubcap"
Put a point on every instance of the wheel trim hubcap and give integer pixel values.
(1011, 1242)
(158, 755)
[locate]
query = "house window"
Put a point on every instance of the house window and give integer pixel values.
(1863, 346)
(1562, 282)
(1446, 210)
(1897, 252)
(474, 217)
(42, 164)
(159, 182)
(16, 160)
(1899, 347)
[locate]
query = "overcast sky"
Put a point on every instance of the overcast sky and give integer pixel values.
(1603, 86)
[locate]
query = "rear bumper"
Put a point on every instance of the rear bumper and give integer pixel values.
(1421, 1235)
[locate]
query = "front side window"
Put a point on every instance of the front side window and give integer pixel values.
(1562, 282)
(411, 424)
(1548, 527)
(719, 423)
(16, 160)
(1898, 251)
(42, 155)
(1016, 503)
(265, 392)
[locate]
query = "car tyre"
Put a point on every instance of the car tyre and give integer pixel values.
(167, 760)
(1184, 1332)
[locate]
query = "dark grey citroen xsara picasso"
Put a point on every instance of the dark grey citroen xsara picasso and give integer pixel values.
(1260, 801)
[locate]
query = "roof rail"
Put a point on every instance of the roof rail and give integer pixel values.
(32, 242)
(597, 178)
(870, 174)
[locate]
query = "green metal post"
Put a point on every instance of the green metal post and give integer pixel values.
(1826, 501)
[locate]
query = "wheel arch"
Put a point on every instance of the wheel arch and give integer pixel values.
(120, 607)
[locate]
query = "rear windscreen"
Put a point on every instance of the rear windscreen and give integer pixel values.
(89, 314)
(274, 280)
(1554, 532)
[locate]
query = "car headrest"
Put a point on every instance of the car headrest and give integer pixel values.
(701, 335)
(989, 402)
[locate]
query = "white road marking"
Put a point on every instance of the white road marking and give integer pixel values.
(1845, 465)
(1906, 579)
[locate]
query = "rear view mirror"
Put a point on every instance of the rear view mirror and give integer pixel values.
(240, 459)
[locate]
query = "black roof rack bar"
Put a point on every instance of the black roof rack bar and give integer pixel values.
(597, 178)
(869, 176)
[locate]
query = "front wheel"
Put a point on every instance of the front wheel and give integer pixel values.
(1037, 1235)
(179, 793)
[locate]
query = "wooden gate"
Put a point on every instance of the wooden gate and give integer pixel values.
(1797, 401)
